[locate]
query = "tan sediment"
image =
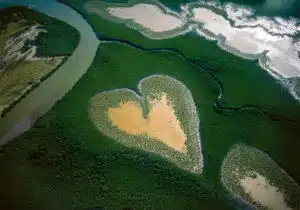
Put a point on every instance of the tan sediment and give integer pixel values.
(250, 41)
(261, 191)
(254, 177)
(148, 15)
(160, 124)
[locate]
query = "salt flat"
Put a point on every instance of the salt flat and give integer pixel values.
(253, 176)
(261, 191)
(152, 19)
(281, 50)
(149, 16)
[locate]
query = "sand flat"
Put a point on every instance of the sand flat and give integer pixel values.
(149, 16)
(253, 176)
(160, 124)
(261, 191)
(282, 51)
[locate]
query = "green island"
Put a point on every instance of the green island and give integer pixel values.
(99, 164)
(160, 121)
(254, 176)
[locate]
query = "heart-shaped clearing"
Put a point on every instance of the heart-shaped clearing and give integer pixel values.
(164, 121)
(161, 122)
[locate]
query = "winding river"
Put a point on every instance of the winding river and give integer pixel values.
(42, 98)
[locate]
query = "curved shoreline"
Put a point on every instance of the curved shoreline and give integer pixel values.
(40, 109)
(233, 172)
(265, 52)
(100, 104)
(219, 100)
(43, 97)
(102, 10)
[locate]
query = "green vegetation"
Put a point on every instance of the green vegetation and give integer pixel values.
(29, 52)
(64, 162)
(60, 39)
(231, 70)
(243, 82)
(150, 88)
(65, 149)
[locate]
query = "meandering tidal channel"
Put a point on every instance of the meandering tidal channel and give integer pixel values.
(20, 118)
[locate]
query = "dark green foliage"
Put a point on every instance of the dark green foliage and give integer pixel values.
(66, 150)
(66, 163)
(229, 68)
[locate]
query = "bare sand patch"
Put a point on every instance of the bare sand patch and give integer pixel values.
(253, 176)
(281, 50)
(149, 16)
(261, 191)
(160, 124)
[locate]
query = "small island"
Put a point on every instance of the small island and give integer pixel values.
(162, 120)
(256, 178)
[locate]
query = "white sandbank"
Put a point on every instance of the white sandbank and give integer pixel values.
(281, 51)
(149, 16)
(262, 192)
(247, 36)
(14, 47)
(244, 17)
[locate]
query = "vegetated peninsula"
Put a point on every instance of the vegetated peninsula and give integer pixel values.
(26, 40)
(163, 120)
(256, 178)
